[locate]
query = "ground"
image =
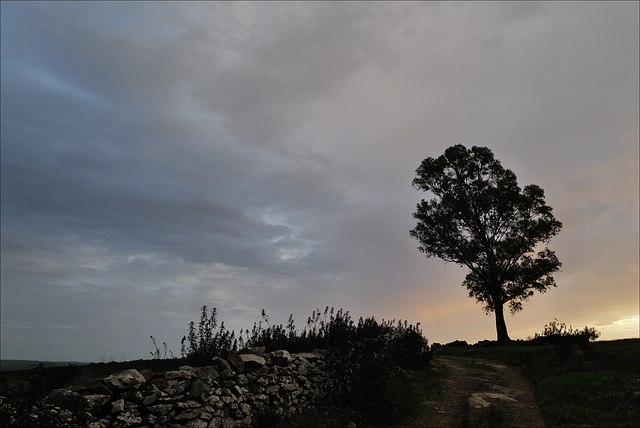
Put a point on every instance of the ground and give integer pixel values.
(478, 393)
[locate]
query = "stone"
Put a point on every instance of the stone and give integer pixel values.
(149, 399)
(127, 379)
(215, 423)
(148, 374)
(258, 350)
(197, 388)
(236, 390)
(309, 356)
(205, 373)
(253, 360)
(228, 423)
(236, 362)
(197, 424)
(189, 414)
(178, 375)
(67, 399)
(281, 358)
(272, 390)
(228, 374)
(479, 399)
(100, 423)
(97, 387)
(160, 409)
(221, 363)
(79, 389)
(96, 401)
(117, 406)
(128, 419)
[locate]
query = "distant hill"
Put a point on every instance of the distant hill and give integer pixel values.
(13, 365)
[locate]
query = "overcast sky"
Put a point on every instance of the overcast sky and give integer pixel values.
(157, 157)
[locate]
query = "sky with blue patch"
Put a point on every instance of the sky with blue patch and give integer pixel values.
(162, 156)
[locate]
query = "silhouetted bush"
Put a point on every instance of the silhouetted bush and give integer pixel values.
(556, 333)
(200, 345)
(456, 344)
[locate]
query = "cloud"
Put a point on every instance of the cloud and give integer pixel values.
(161, 156)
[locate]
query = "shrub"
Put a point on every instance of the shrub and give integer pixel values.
(556, 333)
(201, 345)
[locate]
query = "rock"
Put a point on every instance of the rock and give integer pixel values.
(128, 379)
(129, 419)
(97, 387)
(117, 406)
(228, 423)
(147, 374)
(178, 375)
(221, 363)
(479, 399)
(96, 401)
(253, 360)
(82, 390)
(160, 409)
(236, 362)
(189, 414)
(309, 356)
(197, 388)
(149, 400)
(197, 424)
(281, 358)
(67, 399)
(101, 423)
(258, 350)
(228, 374)
(236, 390)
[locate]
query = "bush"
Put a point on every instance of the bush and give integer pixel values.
(201, 345)
(556, 333)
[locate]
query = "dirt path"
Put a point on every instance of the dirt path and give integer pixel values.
(479, 393)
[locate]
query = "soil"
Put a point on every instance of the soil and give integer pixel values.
(478, 393)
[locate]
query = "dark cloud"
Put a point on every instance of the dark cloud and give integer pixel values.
(157, 157)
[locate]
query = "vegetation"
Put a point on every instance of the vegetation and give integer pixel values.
(557, 333)
(479, 217)
(371, 355)
(577, 381)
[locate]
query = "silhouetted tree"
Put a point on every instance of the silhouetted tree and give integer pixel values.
(478, 217)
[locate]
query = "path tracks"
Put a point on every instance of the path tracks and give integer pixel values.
(476, 394)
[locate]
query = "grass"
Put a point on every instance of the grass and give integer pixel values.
(596, 385)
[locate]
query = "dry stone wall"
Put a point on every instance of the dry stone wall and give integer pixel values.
(230, 393)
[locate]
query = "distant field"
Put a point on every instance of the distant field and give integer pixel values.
(13, 365)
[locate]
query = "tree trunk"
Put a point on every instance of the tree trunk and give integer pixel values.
(501, 326)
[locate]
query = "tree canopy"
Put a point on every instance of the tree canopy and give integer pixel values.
(477, 216)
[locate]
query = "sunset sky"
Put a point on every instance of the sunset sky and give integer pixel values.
(161, 156)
